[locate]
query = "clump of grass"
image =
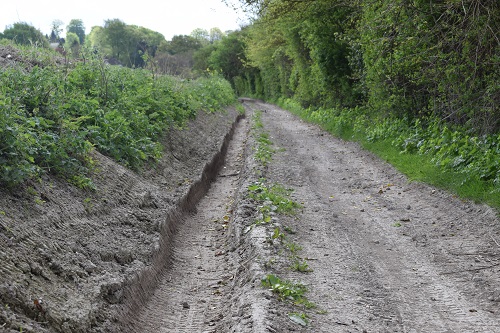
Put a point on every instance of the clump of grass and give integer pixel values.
(264, 152)
(276, 195)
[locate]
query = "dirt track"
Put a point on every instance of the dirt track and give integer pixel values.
(386, 255)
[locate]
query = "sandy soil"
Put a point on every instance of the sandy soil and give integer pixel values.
(386, 255)
(176, 248)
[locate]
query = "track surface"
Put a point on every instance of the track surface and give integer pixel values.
(387, 255)
(189, 297)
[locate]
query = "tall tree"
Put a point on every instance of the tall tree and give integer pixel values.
(76, 26)
(215, 35)
(114, 31)
(201, 34)
(182, 44)
(56, 30)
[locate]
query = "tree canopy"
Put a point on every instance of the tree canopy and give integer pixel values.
(77, 27)
(405, 58)
(25, 34)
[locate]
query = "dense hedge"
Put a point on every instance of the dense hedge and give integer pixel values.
(397, 57)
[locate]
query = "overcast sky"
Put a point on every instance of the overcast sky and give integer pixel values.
(168, 17)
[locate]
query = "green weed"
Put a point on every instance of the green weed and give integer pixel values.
(300, 266)
(299, 318)
(276, 195)
(287, 290)
(293, 247)
(53, 117)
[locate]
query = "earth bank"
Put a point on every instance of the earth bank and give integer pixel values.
(68, 256)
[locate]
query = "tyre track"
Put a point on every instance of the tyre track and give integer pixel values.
(190, 295)
(358, 221)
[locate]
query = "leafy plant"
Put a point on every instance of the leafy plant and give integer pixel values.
(293, 247)
(276, 195)
(53, 116)
(300, 266)
(299, 318)
(287, 290)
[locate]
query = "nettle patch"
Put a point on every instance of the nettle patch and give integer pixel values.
(52, 116)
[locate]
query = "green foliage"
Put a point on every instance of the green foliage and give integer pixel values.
(72, 44)
(287, 290)
(407, 59)
(300, 266)
(52, 117)
(78, 28)
(124, 43)
(25, 34)
(275, 195)
(182, 44)
(433, 58)
(226, 55)
(264, 152)
(300, 318)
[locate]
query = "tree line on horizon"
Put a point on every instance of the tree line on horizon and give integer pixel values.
(128, 45)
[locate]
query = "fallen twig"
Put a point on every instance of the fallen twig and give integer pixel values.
(494, 240)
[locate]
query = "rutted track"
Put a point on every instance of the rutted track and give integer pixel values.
(190, 293)
(387, 255)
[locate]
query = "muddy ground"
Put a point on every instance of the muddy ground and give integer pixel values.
(150, 252)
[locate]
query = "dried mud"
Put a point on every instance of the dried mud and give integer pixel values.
(85, 254)
(176, 248)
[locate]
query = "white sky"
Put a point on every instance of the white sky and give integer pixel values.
(168, 17)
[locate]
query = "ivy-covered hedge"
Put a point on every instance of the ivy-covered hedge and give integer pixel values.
(52, 116)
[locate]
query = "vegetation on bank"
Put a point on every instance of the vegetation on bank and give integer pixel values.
(53, 114)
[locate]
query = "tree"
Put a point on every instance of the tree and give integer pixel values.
(182, 44)
(114, 31)
(77, 27)
(215, 35)
(201, 58)
(72, 44)
(201, 34)
(229, 56)
(56, 30)
(126, 43)
(25, 34)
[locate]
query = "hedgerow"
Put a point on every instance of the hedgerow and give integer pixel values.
(52, 116)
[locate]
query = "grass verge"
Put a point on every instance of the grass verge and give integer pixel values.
(447, 158)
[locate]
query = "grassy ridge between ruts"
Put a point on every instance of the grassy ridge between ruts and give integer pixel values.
(425, 150)
(54, 113)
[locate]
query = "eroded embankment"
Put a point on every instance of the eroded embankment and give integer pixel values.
(80, 252)
(139, 293)
(191, 292)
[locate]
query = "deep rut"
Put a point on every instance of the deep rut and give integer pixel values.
(189, 297)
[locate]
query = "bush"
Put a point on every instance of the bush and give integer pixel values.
(52, 116)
